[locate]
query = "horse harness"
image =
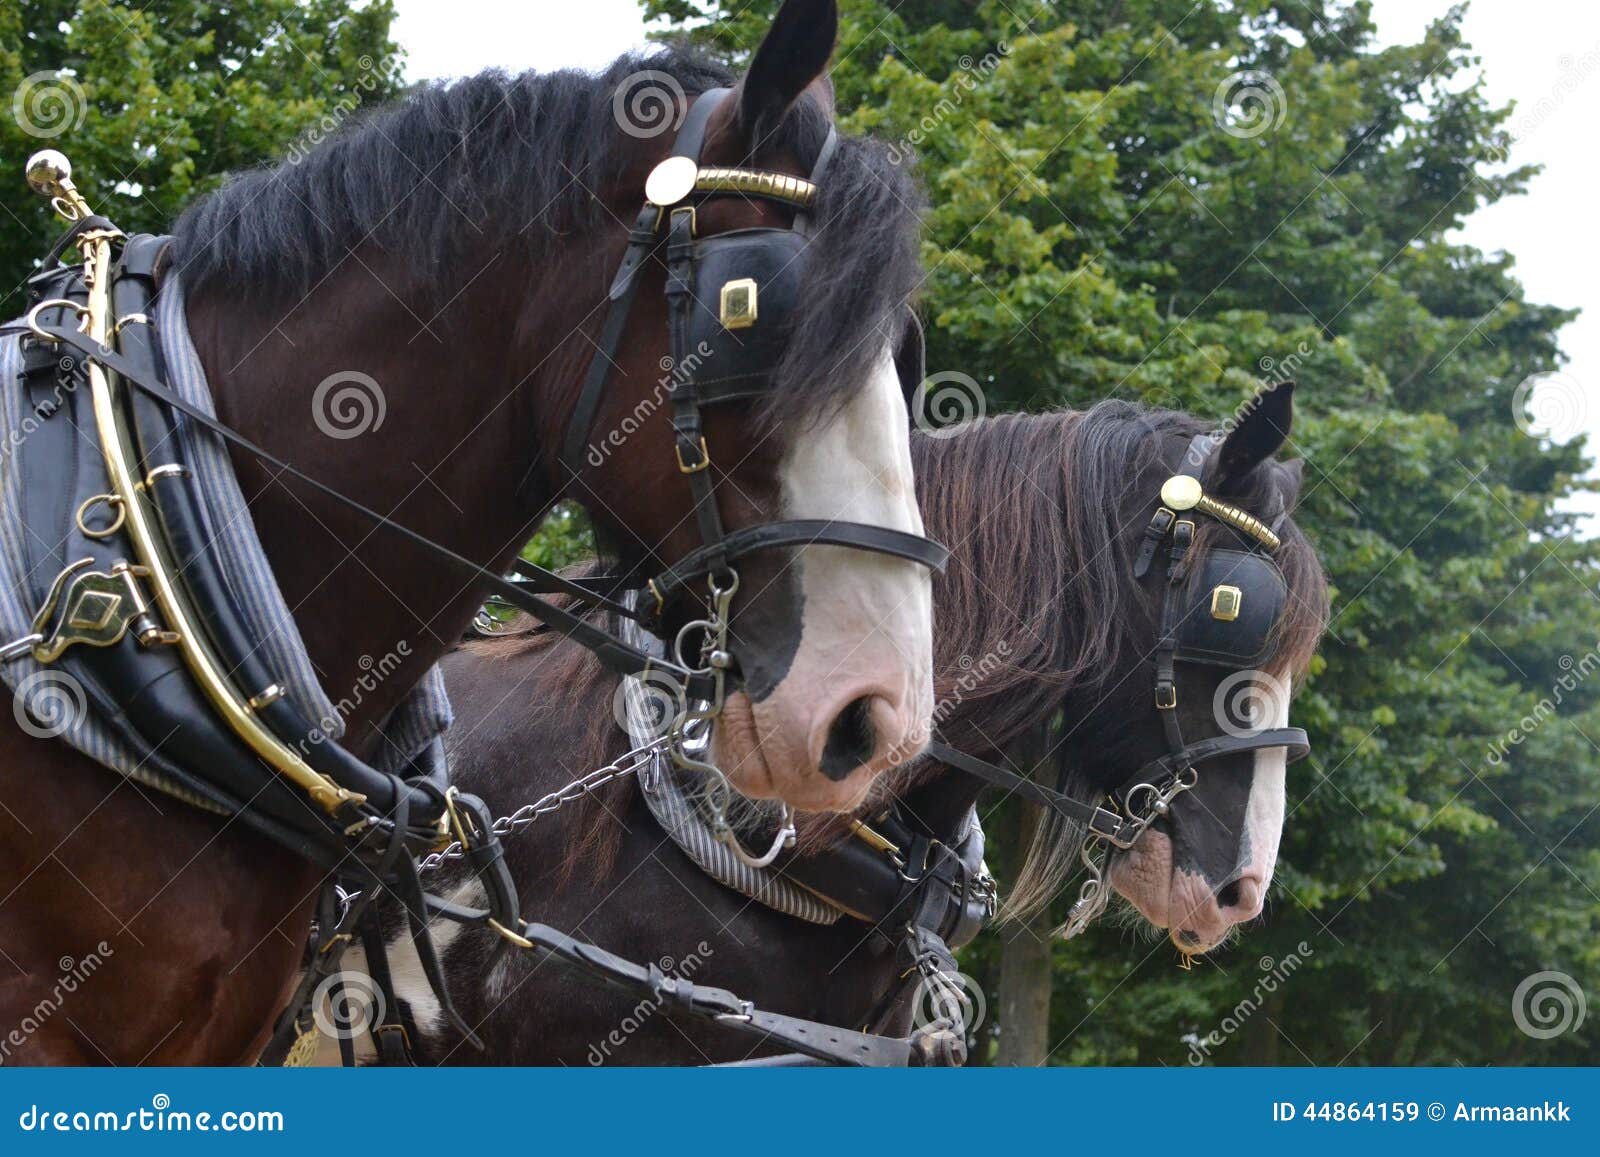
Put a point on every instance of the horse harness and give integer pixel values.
(1222, 612)
(139, 612)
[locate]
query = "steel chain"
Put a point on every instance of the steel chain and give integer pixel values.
(629, 763)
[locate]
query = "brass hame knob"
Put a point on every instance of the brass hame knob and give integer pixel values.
(49, 173)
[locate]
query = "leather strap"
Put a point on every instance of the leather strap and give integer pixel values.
(803, 532)
(614, 654)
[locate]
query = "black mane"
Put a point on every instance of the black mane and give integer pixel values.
(504, 161)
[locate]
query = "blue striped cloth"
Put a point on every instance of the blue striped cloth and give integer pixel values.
(418, 723)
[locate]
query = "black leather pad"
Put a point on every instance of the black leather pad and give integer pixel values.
(736, 363)
(1245, 641)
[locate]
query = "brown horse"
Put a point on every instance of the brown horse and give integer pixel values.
(456, 250)
(1040, 619)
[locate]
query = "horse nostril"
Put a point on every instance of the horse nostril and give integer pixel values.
(1189, 936)
(1240, 900)
(850, 740)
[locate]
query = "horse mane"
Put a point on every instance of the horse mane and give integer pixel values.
(531, 159)
(1066, 494)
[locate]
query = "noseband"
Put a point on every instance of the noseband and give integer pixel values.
(1223, 613)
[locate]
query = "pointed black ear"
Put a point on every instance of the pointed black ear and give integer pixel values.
(794, 54)
(1262, 429)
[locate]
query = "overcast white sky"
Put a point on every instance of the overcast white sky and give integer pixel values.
(1545, 54)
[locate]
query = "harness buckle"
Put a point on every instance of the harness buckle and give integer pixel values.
(1106, 824)
(1166, 696)
(696, 467)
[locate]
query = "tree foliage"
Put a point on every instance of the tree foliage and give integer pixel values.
(154, 104)
(1177, 202)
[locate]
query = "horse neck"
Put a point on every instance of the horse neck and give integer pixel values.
(457, 434)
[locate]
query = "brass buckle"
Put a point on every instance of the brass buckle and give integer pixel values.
(705, 457)
(1169, 700)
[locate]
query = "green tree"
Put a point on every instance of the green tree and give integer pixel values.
(156, 103)
(1174, 202)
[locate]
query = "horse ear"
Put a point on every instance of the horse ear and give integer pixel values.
(794, 54)
(1261, 431)
(1292, 479)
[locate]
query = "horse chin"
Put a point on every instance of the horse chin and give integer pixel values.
(1177, 901)
(762, 764)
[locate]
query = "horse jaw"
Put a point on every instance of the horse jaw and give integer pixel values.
(857, 696)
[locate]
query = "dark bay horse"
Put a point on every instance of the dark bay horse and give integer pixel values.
(1039, 619)
(452, 254)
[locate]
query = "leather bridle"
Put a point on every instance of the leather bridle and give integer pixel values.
(1147, 794)
(674, 191)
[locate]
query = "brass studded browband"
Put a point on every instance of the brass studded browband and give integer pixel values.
(1182, 492)
(676, 178)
